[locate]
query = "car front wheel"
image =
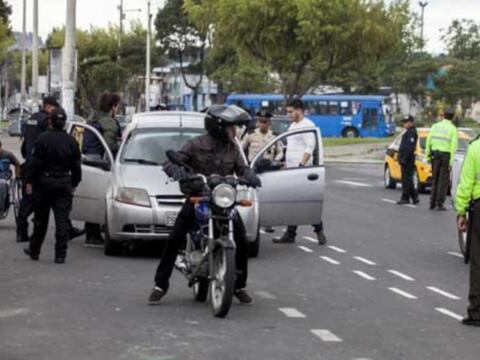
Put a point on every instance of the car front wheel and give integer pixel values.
(389, 182)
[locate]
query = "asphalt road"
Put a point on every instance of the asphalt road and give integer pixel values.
(389, 286)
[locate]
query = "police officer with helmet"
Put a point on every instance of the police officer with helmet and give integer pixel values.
(212, 153)
(442, 143)
(468, 200)
(53, 173)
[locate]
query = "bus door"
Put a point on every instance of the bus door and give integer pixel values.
(370, 120)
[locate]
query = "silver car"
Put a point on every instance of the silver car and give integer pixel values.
(136, 201)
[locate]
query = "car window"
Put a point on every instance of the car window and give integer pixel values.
(150, 145)
(280, 126)
(462, 144)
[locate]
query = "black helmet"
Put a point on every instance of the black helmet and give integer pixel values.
(219, 117)
(58, 118)
(449, 113)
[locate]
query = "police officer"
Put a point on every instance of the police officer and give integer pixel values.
(442, 143)
(52, 176)
(468, 198)
(212, 153)
(406, 155)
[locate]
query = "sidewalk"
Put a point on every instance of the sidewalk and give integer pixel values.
(358, 153)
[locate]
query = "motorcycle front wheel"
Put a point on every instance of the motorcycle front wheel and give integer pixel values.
(222, 283)
(200, 290)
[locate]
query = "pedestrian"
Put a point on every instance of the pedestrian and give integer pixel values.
(212, 153)
(468, 200)
(406, 156)
(300, 153)
(36, 125)
(106, 124)
(442, 143)
(261, 136)
(52, 176)
(7, 160)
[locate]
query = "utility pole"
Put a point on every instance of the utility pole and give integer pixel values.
(68, 61)
(35, 55)
(148, 59)
(24, 59)
(423, 5)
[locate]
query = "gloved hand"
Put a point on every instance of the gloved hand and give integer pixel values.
(252, 179)
(176, 172)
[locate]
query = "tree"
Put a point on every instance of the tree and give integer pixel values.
(182, 41)
(303, 42)
(462, 39)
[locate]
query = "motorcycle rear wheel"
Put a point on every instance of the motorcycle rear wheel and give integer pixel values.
(222, 284)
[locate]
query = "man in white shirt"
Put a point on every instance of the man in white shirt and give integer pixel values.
(300, 150)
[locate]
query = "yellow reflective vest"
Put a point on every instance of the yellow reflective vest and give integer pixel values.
(469, 186)
(443, 136)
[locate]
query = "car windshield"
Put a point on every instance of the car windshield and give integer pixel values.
(462, 144)
(148, 146)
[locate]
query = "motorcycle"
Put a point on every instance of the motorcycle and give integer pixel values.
(208, 261)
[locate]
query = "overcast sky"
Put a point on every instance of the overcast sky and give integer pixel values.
(438, 14)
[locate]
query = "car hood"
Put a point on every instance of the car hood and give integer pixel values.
(151, 178)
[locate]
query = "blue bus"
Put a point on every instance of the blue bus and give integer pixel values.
(335, 115)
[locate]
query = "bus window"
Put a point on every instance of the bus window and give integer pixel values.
(370, 118)
(345, 108)
(356, 107)
(277, 107)
(333, 108)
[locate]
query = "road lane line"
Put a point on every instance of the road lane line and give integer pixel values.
(365, 261)
(311, 239)
(330, 260)
(353, 183)
(263, 232)
(364, 275)
(292, 313)
(450, 313)
(411, 206)
(401, 275)
(337, 249)
(389, 201)
(402, 293)
(306, 249)
(325, 335)
(265, 295)
(6, 313)
(443, 293)
(456, 254)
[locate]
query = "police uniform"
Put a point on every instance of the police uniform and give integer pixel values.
(54, 171)
(255, 141)
(468, 197)
(406, 155)
(442, 143)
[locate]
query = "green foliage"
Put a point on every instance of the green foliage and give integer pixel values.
(463, 39)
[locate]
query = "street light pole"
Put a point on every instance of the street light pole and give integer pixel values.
(35, 54)
(68, 61)
(423, 5)
(148, 59)
(24, 58)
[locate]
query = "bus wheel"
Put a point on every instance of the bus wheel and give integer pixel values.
(350, 133)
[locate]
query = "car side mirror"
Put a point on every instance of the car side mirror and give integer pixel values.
(96, 161)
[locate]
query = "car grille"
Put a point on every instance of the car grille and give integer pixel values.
(146, 229)
(170, 199)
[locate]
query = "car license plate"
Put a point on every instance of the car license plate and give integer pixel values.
(170, 218)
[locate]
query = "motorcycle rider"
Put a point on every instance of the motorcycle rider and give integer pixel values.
(212, 153)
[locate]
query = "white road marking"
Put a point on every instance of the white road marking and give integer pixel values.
(6, 313)
(325, 335)
(353, 183)
(455, 254)
(402, 293)
(306, 249)
(330, 260)
(411, 206)
(263, 232)
(337, 249)
(364, 275)
(265, 295)
(449, 313)
(443, 293)
(401, 275)
(365, 261)
(292, 313)
(311, 239)
(389, 201)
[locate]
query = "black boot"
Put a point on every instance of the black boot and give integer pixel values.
(28, 252)
(287, 238)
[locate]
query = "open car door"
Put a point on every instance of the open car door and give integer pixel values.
(291, 196)
(90, 196)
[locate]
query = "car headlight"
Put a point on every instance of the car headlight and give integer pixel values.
(133, 196)
(224, 196)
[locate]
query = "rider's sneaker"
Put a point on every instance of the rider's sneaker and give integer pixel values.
(156, 295)
(243, 297)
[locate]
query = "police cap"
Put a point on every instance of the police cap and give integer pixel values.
(51, 100)
(264, 114)
(408, 118)
(58, 118)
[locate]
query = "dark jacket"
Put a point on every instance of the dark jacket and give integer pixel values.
(91, 143)
(111, 132)
(408, 145)
(56, 155)
(207, 156)
(37, 124)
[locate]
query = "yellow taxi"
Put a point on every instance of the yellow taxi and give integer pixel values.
(423, 175)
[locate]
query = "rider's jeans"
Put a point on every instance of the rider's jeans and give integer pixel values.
(177, 240)
(3, 195)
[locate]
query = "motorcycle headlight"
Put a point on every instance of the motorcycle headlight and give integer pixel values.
(133, 196)
(224, 196)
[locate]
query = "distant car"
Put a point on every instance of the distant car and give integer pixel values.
(137, 201)
(423, 174)
(280, 124)
(470, 132)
